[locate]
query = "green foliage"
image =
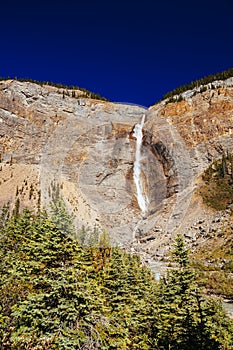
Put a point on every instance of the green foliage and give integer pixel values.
(85, 93)
(217, 191)
(56, 294)
(187, 319)
(214, 263)
(104, 240)
(16, 208)
(31, 191)
(198, 83)
(45, 293)
(4, 216)
(180, 253)
(173, 99)
(61, 218)
(81, 235)
(93, 238)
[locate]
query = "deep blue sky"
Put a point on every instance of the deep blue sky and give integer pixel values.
(127, 50)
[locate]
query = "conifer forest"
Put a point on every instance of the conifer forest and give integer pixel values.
(60, 293)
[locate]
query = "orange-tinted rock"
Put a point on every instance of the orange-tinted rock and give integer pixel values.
(87, 148)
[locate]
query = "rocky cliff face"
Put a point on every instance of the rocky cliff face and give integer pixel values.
(87, 148)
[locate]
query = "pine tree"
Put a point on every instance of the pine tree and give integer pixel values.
(187, 320)
(61, 218)
(56, 294)
(47, 300)
(4, 216)
(94, 237)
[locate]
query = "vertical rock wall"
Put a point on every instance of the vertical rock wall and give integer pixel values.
(87, 148)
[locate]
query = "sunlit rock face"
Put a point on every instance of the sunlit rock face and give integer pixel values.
(86, 148)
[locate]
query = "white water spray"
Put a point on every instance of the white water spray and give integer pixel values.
(141, 197)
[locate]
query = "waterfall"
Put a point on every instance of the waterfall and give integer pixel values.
(141, 197)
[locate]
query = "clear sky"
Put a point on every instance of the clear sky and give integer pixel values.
(126, 50)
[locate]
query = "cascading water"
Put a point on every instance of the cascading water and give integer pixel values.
(141, 197)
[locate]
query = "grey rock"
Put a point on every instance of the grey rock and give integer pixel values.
(87, 147)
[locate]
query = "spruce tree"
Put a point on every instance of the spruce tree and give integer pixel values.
(186, 318)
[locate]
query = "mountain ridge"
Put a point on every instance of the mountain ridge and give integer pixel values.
(87, 147)
(198, 85)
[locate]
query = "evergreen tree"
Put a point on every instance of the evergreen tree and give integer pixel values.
(56, 294)
(82, 236)
(61, 218)
(186, 319)
(94, 237)
(47, 299)
(4, 216)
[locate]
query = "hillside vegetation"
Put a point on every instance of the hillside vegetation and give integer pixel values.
(217, 191)
(59, 294)
(66, 89)
(214, 259)
(198, 83)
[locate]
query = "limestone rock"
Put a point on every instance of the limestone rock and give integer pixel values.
(86, 147)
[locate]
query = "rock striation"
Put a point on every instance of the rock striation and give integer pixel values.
(87, 148)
